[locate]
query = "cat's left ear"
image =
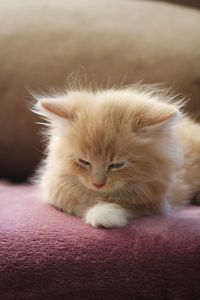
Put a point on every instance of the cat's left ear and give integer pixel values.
(56, 109)
(156, 119)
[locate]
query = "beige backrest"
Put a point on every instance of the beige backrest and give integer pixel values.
(41, 42)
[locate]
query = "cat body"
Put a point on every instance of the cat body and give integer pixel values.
(113, 155)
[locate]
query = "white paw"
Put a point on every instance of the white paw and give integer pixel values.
(107, 215)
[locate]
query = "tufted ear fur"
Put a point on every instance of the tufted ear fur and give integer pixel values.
(58, 109)
(154, 119)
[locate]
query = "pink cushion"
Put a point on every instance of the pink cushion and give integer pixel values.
(46, 254)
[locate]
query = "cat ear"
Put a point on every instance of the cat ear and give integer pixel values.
(54, 109)
(158, 118)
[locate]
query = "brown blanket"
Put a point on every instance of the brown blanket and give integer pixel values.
(46, 254)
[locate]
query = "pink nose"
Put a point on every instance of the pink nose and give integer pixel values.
(98, 185)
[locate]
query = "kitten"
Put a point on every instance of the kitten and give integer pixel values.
(114, 155)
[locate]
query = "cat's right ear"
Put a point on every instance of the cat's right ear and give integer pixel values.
(56, 109)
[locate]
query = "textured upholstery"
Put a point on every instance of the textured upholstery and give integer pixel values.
(47, 255)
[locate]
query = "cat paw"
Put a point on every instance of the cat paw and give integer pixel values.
(108, 215)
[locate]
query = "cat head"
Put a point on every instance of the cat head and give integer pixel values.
(110, 139)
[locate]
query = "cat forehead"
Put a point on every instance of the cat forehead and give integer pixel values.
(98, 140)
(105, 123)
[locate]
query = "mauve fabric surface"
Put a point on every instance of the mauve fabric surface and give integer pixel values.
(45, 254)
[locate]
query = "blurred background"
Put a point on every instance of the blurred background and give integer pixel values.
(42, 42)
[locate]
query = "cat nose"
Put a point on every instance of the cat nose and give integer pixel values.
(98, 185)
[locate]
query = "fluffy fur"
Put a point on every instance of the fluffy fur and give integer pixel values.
(114, 155)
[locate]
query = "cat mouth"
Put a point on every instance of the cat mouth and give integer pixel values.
(105, 189)
(97, 189)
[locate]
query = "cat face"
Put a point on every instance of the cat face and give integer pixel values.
(110, 140)
(100, 175)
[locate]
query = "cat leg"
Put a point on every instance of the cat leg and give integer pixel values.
(108, 215)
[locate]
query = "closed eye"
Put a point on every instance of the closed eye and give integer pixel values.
(117, 165)
(84, 163)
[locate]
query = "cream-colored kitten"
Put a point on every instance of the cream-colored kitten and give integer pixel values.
(117, 154)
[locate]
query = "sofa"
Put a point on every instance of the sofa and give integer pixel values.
(44, 253)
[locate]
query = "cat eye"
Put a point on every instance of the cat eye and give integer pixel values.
(84, 163)
(115, 166)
